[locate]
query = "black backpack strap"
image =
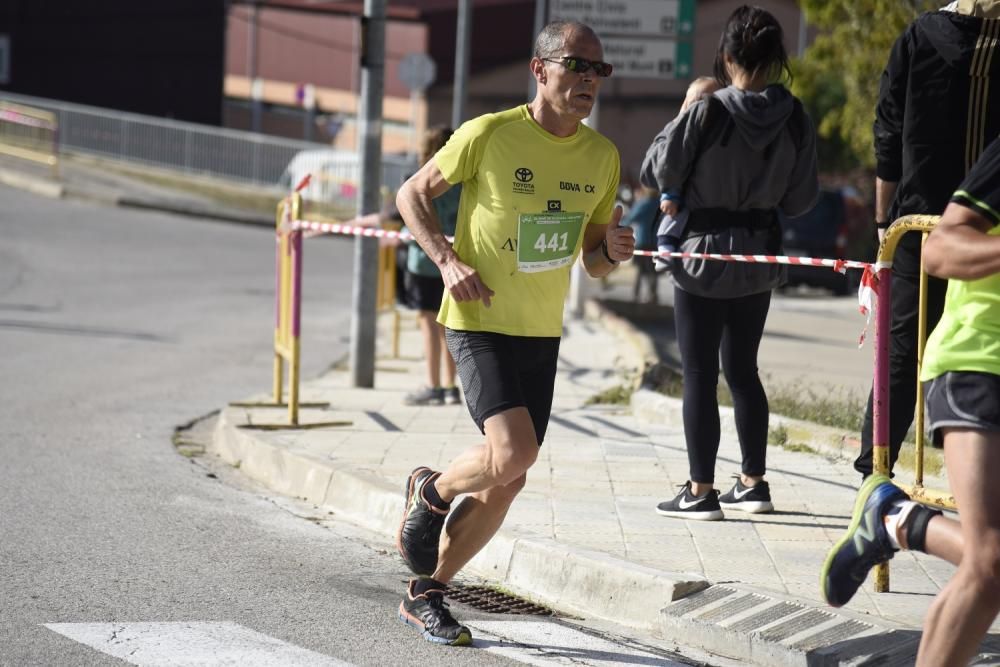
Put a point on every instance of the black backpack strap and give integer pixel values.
(715, 123)
(796, 127)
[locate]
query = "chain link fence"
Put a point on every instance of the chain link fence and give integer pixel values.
(244, 157)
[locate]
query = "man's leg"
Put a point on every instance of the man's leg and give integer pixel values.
(472, 524)
(509, 382)
(432, 346)
(964, 609)
(495, 472)
(510, 449)
(449, 361)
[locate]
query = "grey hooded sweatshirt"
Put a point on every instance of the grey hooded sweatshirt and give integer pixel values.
(742, 175)
(761, 165)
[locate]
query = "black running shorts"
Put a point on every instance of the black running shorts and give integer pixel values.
(963, 399)
(423, 292)
(500, 372)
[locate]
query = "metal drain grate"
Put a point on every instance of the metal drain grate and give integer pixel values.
(495, 602)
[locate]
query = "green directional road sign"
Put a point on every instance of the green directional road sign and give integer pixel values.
(641, 57)
(661, 18)
(642, 38)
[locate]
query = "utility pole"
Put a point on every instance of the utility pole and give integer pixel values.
(370, 147)
(463, 33)
(577, 296)
(255, 85)
(541, 14)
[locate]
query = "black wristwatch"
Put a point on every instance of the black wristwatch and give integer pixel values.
(604, 249)
(882, 225)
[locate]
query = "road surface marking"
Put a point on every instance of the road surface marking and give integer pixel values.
(190, 644)
(545, 643)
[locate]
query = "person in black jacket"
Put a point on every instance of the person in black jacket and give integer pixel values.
(938, 108)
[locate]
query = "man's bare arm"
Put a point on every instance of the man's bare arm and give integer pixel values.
(885, 192)
(960, 248)
(415, 203)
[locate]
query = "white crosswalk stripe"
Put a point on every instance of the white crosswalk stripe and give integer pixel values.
(191, 644)
(207, 644)
(545, 644)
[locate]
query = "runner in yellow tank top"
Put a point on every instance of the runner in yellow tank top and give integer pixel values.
(537, 191)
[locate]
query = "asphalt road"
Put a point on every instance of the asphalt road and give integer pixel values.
(116, 326)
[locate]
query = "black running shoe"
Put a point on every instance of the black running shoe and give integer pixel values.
(865, 544)
(689, 506)
(754, 499)
(428, 613)
(420, 530)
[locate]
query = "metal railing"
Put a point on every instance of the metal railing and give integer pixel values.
(29, 133)
(246, 157)
(880, 394)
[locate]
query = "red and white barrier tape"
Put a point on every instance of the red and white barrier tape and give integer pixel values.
(351, 230)
(868, 296)
(23, 119)
(867, 290)
(838, 265)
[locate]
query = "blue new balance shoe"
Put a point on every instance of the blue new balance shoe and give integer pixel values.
(864, 545)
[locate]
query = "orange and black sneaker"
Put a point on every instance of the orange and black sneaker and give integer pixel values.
(420, 530)
(428, 613)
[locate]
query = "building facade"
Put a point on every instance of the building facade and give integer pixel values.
(305, 57)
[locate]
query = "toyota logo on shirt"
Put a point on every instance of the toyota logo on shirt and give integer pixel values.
(522, 184)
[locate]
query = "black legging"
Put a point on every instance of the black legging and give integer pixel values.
(704, 328)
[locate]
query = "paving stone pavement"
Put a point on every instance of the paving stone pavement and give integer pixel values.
(583, 535)
(599, 475)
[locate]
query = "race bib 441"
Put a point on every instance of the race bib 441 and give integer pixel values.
(546, 241)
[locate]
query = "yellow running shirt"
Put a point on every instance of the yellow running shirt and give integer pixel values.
(967, 338)
(527, 196)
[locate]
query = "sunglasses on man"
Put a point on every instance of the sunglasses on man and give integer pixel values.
(582, 65)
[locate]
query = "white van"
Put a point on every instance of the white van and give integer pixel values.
(336, 174)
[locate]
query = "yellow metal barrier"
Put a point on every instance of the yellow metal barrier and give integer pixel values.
(386, 291)
(880, 453)
(30, 134)
(289, 276)
(287, 328)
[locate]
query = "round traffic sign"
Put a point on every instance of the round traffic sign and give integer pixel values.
(417, 71)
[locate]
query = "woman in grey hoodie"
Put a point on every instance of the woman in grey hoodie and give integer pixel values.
(736, 158)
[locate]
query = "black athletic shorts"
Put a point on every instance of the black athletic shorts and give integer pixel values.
(962, 399)
(500, 372)
(423, 292)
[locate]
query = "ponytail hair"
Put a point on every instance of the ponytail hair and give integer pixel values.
(754, 40)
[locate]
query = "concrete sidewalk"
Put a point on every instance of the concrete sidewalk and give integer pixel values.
(583, 535)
